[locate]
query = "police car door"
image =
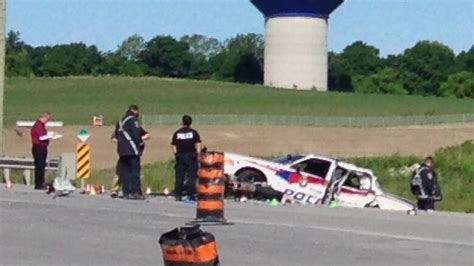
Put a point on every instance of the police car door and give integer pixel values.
(312, 184)
(355, 190)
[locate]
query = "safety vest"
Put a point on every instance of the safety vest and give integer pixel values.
(417, 183)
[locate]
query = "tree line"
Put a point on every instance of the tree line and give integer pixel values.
(427, 68)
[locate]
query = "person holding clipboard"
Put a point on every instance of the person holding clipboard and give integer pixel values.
(40, 138)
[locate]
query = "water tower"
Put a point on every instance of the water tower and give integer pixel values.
(296, 33)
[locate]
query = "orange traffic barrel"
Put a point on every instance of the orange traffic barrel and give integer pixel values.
(189, 246)
(211, 190)
(212, 159)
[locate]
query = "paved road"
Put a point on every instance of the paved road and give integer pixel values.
(97, 230)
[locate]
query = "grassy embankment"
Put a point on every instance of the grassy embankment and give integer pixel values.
(76, 100)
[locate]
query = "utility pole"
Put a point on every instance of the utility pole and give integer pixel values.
(3, 4)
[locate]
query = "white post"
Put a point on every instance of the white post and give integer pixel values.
(6, 175)
(27, 176)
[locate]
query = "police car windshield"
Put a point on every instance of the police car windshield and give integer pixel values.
(288, 159)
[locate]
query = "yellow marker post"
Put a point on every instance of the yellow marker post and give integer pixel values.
(83, 157)
(83, 160)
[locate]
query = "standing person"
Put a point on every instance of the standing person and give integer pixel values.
(116, 182)
(186, 145)
(130, 148)
(424, 185)
(40, 140)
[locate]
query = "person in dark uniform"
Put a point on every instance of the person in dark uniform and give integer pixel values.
(129, 148)
(186, 145)
(116, 182)
(425, 186)
(40, 138)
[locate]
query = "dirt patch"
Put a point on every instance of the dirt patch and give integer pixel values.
(263, 141)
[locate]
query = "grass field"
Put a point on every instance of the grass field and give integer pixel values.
(76, 100)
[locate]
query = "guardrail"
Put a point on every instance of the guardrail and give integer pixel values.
(25, 164)
(374, 121)
(31, 123)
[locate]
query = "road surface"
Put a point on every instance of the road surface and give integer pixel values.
(97, 230)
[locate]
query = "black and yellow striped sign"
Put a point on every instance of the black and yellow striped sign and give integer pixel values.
(83, 163)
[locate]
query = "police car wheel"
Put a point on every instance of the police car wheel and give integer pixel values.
(251, 176)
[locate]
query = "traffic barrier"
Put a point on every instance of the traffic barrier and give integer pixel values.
(212, 159)
(189, 246)
(210, 173)
(211, 189)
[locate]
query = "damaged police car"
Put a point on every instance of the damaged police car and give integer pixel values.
(309, 179)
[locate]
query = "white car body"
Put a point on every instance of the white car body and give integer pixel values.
(314, 179)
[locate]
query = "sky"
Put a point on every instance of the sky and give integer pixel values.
(390, 25)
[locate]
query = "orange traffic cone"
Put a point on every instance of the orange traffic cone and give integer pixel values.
(87, 189)
(93, 192)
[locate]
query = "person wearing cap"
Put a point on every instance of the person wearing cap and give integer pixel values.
(425, 186)
(40, 138)
(186, 145)
(130, 146)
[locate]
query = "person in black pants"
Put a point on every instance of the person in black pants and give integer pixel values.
(425, 186)
(130, 148)
(40, 140)
(116, 182)
(186, 145)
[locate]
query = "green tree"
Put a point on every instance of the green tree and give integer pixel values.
(65, 60)
(460, 85)
(357, 59)
(425, 66)
(111, 64)
(202, 45)
(248, 69)
(167, 57)
(16, 56)
(202, 48)
(392, 61)
(361, 59)
(386, 81)
(465, 60)
(134, 69)
(339, 78)
(131, 47)
(242, 54)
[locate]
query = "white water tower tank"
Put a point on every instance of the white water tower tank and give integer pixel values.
(296, 33)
